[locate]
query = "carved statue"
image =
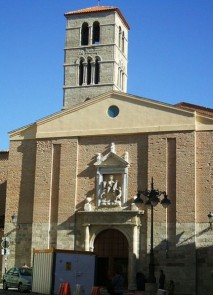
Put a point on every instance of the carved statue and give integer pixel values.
(111, 194)
(87, 205)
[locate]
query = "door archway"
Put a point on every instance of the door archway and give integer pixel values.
(111, 248)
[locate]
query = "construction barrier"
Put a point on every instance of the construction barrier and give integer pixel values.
(95, 291)
(64, 289)
(79, 290)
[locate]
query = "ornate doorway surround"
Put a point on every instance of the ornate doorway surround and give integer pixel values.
(110, 213)
(128, 222)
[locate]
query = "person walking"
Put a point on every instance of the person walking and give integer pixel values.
(140, 281)
(116, 286)
(171, 287)
(161, 280)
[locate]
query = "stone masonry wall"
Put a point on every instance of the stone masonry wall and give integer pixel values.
(112, 59)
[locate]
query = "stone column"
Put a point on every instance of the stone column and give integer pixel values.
(87, 236)
(133, 256)
(90, 34)
(92, 73)
(85, 74)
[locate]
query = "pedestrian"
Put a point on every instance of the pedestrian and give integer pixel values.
(140, 281)
(161, 280)
(116, 286)
(25, 265)
(171, 287)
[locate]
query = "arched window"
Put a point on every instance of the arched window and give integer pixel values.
(122, 83)
(96, 33)
(97, 71)
(119, 37)
(123, 39)
(89, 70)
(121, 80)
(81, 72)
(118, 83)
(85, 34)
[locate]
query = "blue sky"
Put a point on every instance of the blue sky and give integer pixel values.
(170, 54)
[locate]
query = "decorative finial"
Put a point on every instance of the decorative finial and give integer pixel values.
(112, 148)
(98, 156)
(126, 156)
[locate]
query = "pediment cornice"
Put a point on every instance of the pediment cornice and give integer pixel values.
(136, 115)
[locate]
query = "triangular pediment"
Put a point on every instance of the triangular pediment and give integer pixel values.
(111, 159)
(135, 115)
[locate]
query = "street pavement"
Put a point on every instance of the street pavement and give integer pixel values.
(11, 291)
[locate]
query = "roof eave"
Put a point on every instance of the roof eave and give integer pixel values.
(96, 10)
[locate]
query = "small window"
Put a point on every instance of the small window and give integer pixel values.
(81, 72)
(119, 37)
(26, 271)
(122, 85)
(89, 70)
(16, 272)
(123, 40)
(97, 71)
(113, 111)
(96, 33)
(120, 78)
(85, 34)
(11, 271)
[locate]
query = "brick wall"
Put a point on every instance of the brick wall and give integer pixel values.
(49, 179)
(3, 180)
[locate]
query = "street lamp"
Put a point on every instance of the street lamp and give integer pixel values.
(14, 220)
(153, 197)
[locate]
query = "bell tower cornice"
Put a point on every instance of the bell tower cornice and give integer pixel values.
(97, 9)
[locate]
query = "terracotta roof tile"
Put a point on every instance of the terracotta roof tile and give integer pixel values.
(197, 108)
(98, 9)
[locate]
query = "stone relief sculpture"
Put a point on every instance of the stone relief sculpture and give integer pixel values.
(111, 178)
(111, 193)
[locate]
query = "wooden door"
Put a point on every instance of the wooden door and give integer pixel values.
(111, 249)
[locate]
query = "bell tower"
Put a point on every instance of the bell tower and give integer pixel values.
(96, 53)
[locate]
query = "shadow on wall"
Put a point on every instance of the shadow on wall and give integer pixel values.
(190, 268)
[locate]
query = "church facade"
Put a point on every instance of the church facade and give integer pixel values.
(80, 179)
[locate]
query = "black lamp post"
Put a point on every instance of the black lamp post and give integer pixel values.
(14, 219)
(153, 197)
